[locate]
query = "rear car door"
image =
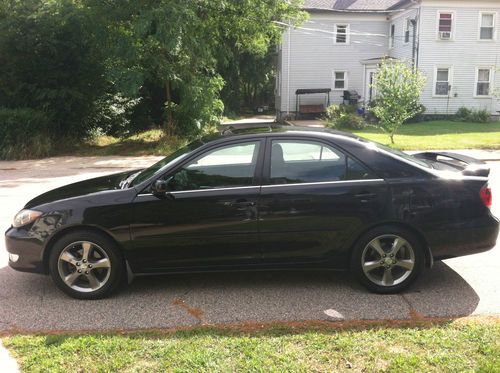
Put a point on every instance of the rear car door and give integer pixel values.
(315, 198)
(208, 219)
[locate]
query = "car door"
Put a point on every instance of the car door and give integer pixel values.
(208, 218)
(315, 199)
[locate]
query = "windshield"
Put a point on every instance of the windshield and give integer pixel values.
(401, 154)
(172, 158)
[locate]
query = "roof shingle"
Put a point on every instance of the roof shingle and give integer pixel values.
(352, 5)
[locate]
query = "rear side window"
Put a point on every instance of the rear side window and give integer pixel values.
(295, 162)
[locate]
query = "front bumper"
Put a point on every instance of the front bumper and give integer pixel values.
(28, 248)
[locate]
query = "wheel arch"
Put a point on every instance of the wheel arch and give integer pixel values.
(429, 259)
(74, 228)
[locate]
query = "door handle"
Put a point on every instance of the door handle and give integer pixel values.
(365, 196)
(243, 203)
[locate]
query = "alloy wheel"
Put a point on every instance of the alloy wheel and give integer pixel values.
(388, 260)
(84, 266)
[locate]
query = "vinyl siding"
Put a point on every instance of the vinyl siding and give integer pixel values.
(314, 56)
(402, 50)
(464, 54)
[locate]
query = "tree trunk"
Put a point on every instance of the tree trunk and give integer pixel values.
(169, 125)
(392, 138)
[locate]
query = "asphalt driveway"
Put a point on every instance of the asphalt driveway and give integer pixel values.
(30, 302)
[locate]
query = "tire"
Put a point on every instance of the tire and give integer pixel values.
(387, 259)
(86, 265)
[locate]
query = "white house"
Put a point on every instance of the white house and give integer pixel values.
(455, 43)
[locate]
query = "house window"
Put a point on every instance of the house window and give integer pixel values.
(341, 34)
(483, 82)
(487, 26)
(407, 30)
(442, 85)
(445, 25)
(340, 80)
(392, 36)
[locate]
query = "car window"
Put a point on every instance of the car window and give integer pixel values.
(309, 162)
(223, 167)
(305, 162)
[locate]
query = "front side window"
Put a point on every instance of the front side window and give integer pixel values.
(294, 161)
(445, 25)
(341, 34)
(224, 167)
(340, 80)
(487, 26)
(442, 85)
(483, 82)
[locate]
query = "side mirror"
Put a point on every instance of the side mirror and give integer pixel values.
(160, 187)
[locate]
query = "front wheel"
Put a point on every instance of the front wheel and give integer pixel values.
(85, 265)
(387, 259)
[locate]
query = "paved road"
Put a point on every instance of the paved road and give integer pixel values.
(30, 302)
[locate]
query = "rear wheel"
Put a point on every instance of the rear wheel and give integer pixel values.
(86, 265)
(387, 259)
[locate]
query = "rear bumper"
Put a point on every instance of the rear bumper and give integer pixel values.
(28, 249)
(471, 237)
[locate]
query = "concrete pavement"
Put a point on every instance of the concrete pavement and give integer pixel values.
(30, 302)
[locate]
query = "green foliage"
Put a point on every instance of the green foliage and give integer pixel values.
(398, 89)
(343, 116)
(24, 133)
(49, 63)
(464, 114)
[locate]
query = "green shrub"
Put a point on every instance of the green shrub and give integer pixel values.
(351, 121)
(464, 114)
(24, 133)
(335, 112)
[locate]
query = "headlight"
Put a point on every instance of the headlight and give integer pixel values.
(24, 217)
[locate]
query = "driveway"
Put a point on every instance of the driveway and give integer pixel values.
(30, 302)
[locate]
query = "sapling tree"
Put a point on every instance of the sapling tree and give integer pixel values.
(398, 87)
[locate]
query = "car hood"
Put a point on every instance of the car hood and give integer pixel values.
(82, 188)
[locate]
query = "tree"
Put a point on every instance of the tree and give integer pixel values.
(170, 50)
(398, 88)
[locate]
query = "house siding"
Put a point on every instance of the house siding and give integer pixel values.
(314, 56)
(464, 54)
(402, 50)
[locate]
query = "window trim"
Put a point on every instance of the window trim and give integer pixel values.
(392, 35)
(450, 79)
(346, 80)
(480, 20)
(491, 82)
(453, 22)
(347, 33)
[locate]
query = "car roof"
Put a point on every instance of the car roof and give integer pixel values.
(272, 129)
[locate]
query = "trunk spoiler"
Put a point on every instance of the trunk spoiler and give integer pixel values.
(468, 166)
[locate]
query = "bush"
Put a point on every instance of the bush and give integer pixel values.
(351, 121)
(335, 112)
(24, 133)
(464, 114)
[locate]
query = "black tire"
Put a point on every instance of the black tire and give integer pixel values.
(102, 246)
(373, 279)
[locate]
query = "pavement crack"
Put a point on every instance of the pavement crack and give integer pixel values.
(195, 312)
(414, 315)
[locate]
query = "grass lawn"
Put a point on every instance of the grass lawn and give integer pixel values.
(471, 345)
(439, 135)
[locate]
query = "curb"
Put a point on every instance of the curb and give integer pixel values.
(7, 362)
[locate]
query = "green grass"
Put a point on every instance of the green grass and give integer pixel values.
(457, 346)
(439, 135)
(151, 142)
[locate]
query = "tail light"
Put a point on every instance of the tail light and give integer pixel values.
(486, 196)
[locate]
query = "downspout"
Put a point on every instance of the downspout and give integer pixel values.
(288, 69)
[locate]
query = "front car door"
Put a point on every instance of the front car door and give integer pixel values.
(209, 218)
(316, 198)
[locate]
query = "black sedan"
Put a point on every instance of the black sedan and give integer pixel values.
(271, 198)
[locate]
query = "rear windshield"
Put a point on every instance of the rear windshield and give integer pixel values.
(403, 155)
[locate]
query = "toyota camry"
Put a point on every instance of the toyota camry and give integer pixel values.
(268, 198)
